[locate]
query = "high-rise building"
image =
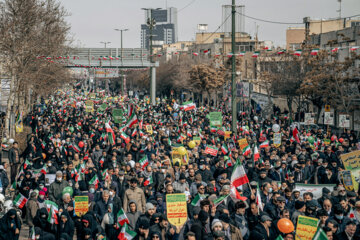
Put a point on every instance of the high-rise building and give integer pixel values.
(165, 30)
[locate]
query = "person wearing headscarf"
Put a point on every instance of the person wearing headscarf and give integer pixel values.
(66, 225)
(41, 220)
(10, 226)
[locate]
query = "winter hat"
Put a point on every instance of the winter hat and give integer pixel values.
(149, 206)
(225, 218)
(216, 222)
(299, 204)
(41, 193)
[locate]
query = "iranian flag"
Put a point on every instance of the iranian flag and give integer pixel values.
(238, 176)
(111, 134)
(187, 106)
(213, 129)
(20, 201)
(126, 233)
(144, 162)
(256, 54)
(282, 51)
(122, 218)
(125, 137)
(256, 154)
(52, 209)
(354, 48)
(242, 54)
(132, 120)
(336, 49)
(264, 144)
(43, 169)
(76, 148)
(224, 149)
(320, 234)
(314, 52)
(235, 195)
(197, 199)
(32, 234)
(43, 144)
(196, 54)
(27, 163)
(148, 181)
(134, 133)
(258, 198)
(142, 133)
(212, 150)
(95, 181)
(298, 52)
(246, 150)
(295, 134)
(220, 199)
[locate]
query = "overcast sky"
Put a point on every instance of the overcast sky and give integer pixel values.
(93, 21)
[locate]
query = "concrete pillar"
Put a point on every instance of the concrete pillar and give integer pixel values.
(153, 86)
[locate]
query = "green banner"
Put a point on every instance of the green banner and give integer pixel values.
(102, 107)
(117, 115)
(215, 118)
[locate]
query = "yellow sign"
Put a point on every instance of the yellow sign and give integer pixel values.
(351, 162)
(243, 143)
(197, 140)
(19, 127)
(227, 134)
(327, 108)
(89, 106)
(149, 129)
(81, 205)
(176, 156)
(306, 228)
(277, 139)
(176, 208)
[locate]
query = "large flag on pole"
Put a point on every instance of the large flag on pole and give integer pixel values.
(238, 176)
(122, 218)
(111, 134)
(126, 233)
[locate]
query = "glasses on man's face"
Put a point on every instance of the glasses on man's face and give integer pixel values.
(155, 237)
(157, 219)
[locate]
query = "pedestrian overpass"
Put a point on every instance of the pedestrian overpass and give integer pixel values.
(125, 58)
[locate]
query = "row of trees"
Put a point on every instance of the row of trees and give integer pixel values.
(320, 79)
(29, 29)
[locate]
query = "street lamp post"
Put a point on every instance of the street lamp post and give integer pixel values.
(151, 24)
(121, 56)
(105, 43)
(233, 71)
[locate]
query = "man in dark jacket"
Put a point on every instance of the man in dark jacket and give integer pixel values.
(14, 160)
(262, 231)
(348, 233)
(56, 188)
(101, 207)
(4, 180)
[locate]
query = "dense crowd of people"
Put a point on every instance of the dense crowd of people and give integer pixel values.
(127, 169)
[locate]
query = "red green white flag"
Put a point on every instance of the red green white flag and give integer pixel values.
(246, 150)
(126, 233)
(95, 181)
(242, 54)
(122, 218)
(144, 162)
(132, 121)
(264, 144)
(238, 176)
(354, 48)
(187, 106)
(20, 201)
(258, 198)
(111, 134)
(256, 54)
(212, 150)
(149, 180)
(125, 137)
(256, 154)
(282, 51)
(336, 49)
(52, 209)
(224, 149)
(314, 52)
(298, 52)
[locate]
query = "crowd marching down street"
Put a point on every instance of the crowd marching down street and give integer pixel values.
(99, 166)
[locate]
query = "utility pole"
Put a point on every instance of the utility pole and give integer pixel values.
(151, 24)
(233, 71)
(121, 57)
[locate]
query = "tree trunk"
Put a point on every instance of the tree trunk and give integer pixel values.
(10, 102)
